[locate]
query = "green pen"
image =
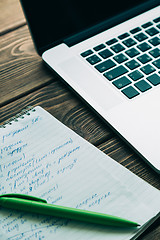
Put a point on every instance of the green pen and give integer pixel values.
(37, 205)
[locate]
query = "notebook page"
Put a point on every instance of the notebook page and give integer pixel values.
(40, 156)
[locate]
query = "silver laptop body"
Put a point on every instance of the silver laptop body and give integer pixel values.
(117, 72)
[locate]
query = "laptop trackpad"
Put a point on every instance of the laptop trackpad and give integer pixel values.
(93, 88)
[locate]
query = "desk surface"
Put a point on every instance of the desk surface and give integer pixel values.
(24, 80)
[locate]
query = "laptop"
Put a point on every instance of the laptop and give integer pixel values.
(109, 53)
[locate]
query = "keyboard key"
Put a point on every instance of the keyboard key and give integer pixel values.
(148, 69)
(148, 24)
(124, 35)
(154, 79)
(93, 59)
(142, 85)
(144, 58)
(132, 64)
(155, 52)
(135, 30)
(157, 63)
(152, 31)
(105, 65)
(86, 53)
(121, 82)
(116, 72)
(135, 75)
(155, 41)
(130, 92)
(112, 41)
(120, 58)
(117, 48)
(129, 42)
(156, 20)
(105, 53)
(158, 26)
(144, 47)
(132, 52)
(99, 47)
(140, 37)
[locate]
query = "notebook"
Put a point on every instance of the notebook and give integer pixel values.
(40, 156)
(107, 52)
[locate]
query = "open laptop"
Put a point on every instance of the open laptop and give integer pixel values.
(109, 53)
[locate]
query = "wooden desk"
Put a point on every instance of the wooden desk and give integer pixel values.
(24, 80)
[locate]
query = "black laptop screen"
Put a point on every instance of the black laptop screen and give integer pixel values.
(53, 20)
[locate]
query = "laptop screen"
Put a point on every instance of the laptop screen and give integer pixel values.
(51, 21)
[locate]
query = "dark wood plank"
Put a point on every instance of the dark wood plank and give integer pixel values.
(152, 233)
(62, 103)
(120, 152)
(11, 16)
(21, 69)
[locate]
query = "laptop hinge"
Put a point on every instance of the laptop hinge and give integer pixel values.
(71, 41)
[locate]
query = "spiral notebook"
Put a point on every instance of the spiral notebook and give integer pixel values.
(41, 157)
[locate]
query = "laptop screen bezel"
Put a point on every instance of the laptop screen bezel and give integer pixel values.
(82, 35)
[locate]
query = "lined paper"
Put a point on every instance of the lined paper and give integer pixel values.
(39, 156)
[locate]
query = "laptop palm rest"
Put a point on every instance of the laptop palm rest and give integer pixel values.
(89, 85)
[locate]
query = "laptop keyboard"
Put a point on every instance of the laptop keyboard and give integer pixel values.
(131, 62)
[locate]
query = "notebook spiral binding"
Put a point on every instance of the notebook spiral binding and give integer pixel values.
(25, 111)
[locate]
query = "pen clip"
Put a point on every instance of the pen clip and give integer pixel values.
(24, 196)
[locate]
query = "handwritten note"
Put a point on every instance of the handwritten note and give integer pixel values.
(39, 156)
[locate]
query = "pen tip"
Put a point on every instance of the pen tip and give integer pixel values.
(137, 225)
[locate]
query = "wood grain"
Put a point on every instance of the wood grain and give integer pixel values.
(70, 110)
(152, 233)
(121, 153)
(11, 16)
(62, 103)
(21, 69)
